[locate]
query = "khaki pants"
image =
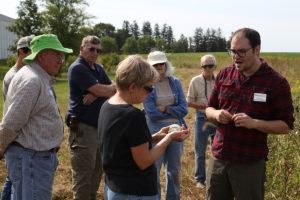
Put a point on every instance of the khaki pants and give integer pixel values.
(227, 180)
(85, 161)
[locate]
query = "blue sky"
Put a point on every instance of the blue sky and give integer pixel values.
(278, 21)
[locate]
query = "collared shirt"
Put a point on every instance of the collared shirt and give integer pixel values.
(196, 92)
(30, 110)
(7, 79)
(81, 77)
(265, 95)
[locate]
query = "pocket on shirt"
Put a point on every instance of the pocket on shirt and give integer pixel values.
(259, 106)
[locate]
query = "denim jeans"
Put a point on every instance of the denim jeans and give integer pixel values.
(111, 195)
(172, 163)
(6, 191)
(31, 172)
(202, 131)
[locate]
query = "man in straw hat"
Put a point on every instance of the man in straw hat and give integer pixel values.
(32, 128)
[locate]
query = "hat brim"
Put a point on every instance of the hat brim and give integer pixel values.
(32, 56)
(153, 62)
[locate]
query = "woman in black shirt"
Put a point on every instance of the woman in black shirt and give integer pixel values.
(125, 141)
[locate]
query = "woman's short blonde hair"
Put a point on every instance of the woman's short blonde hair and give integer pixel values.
(134, 69)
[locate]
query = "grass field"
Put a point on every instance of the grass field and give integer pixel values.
(283, 169)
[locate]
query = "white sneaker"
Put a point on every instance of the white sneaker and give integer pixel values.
(200, 185)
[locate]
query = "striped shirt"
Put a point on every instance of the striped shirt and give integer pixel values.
(30, 115)
(236, 93)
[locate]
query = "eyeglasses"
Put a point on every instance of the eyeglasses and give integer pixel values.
(239, 52)
(57, 57)
(158, 64)
(148, 88)
(92, 49)
(207, 66)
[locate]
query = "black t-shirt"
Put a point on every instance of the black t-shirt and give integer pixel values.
(121, 127)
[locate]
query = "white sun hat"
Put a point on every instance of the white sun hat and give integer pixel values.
(157, 57)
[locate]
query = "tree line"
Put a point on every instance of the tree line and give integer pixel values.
(67, 19)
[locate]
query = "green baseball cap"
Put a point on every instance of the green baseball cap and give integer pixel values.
(45, 41)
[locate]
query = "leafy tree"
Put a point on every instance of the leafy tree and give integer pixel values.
(134, 30)
(147, 30)
(169, 36)
(65, 18)
(109, 45)
(160, 44)
(103, 29)
(122, 35)
(183, 43)
(179, 46)
(126, 28)
(164, 31)
(145, 44)
(198, 39)
(130, 46)
(211, 40)
(28, 22)
(221, 41)
(156, 33)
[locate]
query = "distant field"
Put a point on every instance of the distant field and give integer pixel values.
(283, 168)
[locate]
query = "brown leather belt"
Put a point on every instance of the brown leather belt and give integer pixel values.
(54, 150)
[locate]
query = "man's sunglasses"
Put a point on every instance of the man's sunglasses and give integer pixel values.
(207, 66)
(148, 88)
(92, 49)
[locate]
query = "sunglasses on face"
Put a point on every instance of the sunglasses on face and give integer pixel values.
(158, 64)
(92, 49)
(207, 66)
(148, 88)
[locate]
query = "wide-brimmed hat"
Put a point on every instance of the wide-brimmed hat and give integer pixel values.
(24, 42)
(157, 57)
(45, 41)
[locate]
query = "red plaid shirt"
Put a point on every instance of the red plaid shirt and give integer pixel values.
(234, 92)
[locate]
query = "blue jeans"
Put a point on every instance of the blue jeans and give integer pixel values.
(202, 131)
(172, 163)
(31, 172)
(111, 195)
(6, 191)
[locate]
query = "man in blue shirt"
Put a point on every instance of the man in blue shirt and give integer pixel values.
(89, 87)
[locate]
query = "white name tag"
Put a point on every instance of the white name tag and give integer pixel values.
(260, 97)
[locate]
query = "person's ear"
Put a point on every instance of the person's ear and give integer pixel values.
(132, 87)
(257, 50)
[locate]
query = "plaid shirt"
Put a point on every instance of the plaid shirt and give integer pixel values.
(235, 93)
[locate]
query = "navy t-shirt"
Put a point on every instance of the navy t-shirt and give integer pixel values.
(81, 77)
(121, 127)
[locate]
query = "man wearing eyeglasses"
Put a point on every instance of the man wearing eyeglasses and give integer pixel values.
(198, 94)
(89, 88)
(249, 100)
(32, 127)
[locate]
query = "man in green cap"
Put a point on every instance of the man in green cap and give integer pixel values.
(32, 128)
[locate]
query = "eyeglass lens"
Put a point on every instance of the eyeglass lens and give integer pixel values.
(208, 66)
(92, 49)
(148, 88)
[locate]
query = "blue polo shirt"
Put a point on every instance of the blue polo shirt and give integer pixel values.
(81, 77)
